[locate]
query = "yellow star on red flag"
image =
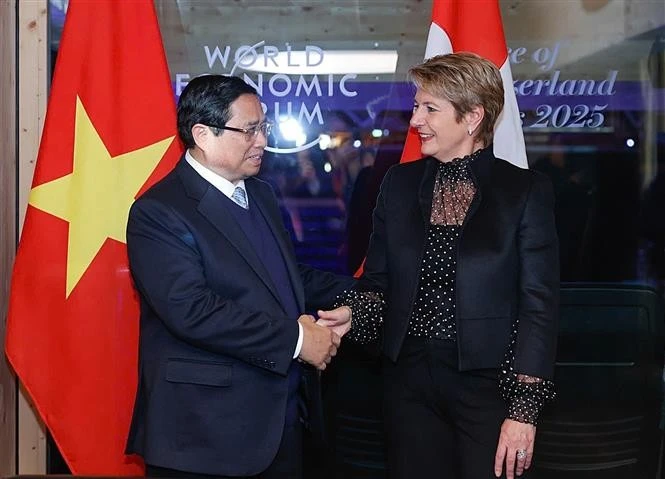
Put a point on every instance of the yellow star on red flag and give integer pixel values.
(95, 198)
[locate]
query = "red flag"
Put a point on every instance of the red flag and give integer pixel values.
(72, 333)
(475, 26)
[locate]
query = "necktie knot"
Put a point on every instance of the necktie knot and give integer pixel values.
(239, 197)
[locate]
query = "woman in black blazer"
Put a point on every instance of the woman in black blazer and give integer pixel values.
(461, 281)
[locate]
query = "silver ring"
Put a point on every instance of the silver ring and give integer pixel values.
(521, 454)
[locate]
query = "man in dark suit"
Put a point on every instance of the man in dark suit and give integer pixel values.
(221, 363)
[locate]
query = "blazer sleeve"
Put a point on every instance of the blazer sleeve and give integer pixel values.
(322, 287)
(538, 309)
(169, 273)
(375, 269)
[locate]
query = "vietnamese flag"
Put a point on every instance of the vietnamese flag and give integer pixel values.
(110, 132)
(475, 26)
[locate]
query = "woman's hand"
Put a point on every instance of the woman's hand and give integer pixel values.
(515, 448)
(338, 319)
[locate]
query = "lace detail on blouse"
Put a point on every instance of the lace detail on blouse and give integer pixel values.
(453, 191)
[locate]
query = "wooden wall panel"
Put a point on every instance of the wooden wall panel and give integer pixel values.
(33, 81)
(7, 224)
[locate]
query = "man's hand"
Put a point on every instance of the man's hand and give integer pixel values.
(515, 448)
(319, 343)
(339, 320)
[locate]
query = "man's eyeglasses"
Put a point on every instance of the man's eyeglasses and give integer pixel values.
(250, 133)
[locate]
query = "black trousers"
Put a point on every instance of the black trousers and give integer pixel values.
(288, 463)
(440, 423)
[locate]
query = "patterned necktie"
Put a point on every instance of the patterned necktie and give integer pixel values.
(239, 197)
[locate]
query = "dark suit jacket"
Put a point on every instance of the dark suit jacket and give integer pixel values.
(215, 341)
(507, 262)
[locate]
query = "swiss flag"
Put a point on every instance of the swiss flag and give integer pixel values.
(475, 26)
(72, 332)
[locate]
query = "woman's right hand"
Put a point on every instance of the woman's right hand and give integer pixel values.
(338, 319)
(515, 448)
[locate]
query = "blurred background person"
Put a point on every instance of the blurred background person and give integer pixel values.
(311, 180)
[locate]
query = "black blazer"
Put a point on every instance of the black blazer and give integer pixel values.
(507, 262)
(215, 341)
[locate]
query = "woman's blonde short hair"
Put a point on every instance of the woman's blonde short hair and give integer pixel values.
(466, 80)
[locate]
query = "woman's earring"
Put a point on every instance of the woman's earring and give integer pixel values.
(470, 132)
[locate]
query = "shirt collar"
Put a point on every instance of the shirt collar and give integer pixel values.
(219, 182)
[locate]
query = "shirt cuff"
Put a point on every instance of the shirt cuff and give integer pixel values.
(299, 343)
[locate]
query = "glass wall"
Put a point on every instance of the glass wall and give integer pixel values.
(588, 79)
(589, 76)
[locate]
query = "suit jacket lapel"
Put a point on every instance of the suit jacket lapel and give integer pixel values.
(211, 206)
(481, 169)
(265, 203)
(418, 225)
(426, 189)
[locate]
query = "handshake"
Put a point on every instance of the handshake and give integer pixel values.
(322, 338)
